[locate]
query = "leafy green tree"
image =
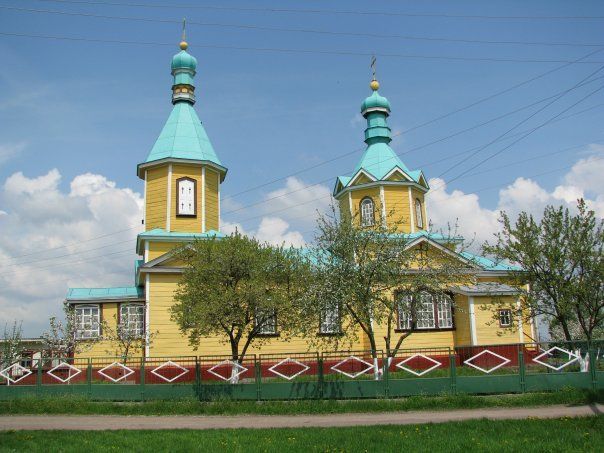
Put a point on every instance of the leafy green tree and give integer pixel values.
(562, 261)
(360, 272)
(240, 290)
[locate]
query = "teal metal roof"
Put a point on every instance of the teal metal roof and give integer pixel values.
(159, 234)
(375, 100)
(489, 264)
(379, 160)
(183, 137)
(184, 60)
(121, 292)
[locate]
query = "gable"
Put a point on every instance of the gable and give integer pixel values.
(437, 251)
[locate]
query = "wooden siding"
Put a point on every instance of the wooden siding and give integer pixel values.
(463, 335)
(212, 205)
(157, 193)
(396, 199)
(359, 194)
(157, 249)
(487, 325)
(416, 194)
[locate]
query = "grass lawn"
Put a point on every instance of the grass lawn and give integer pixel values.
(72, 405)
(566, 434)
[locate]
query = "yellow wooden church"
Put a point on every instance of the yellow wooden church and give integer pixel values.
(182, 179)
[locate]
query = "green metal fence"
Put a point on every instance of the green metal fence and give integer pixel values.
(486, 369)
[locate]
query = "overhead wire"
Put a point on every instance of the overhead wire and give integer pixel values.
(299, 30)
(388, 13)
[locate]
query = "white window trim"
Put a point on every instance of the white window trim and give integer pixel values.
(79, 328)
(134, 304)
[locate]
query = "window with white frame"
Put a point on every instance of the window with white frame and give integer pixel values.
(445, 312)
(185, 197)
(132, 319)
(266, 321)
(88, 321)
(367, 212)
(505, 318)
(425, 311)
(419, 218)
(330, 320)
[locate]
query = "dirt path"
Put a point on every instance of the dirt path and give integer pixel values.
(103, 422)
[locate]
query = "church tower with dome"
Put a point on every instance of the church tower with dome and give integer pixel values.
(381, 188)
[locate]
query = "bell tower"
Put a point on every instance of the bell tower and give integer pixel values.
(182, 173)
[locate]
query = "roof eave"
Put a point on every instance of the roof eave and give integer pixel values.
(146, 165)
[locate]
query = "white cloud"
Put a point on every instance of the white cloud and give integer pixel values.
(273, 230)
(284, 215)
(10, 150)
(297, 202)
(38, 216)
(474, 221)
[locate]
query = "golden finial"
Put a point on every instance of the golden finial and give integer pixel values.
(183, 44)
(375, 85)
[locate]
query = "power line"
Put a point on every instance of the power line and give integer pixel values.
(527, 134)
(62, 256)
(302, 51)
(329, 11)
(301, 30)
(454, 134)
(87, 260)
(523, 121)
(421, 125)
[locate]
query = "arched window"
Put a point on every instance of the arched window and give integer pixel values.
(419, 218)
(367, 212)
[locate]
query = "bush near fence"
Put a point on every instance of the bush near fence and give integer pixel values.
(508, 368)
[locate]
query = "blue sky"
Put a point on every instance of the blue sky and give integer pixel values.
(92, 107)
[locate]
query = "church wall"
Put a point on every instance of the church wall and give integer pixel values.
(191, 224)
(487, 325)
(157, 249)
(156, 198)
(104, 348)
(212, 203)
(415, 194)
(397, 207)
(359, 194)
(461, 315)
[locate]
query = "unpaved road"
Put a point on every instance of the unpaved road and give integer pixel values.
(113, 422)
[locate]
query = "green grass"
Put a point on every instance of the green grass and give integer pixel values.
(566, 434)
(72, 405)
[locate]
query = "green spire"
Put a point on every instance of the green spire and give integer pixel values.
(183, 137)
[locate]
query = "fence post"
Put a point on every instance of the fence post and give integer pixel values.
(521, 368)
(385, 366)
(39, 376)
(320, 375)
(452, 372)
(593, 368)
(142, 379)
(89, 377)
(258, 369)
(198, 386)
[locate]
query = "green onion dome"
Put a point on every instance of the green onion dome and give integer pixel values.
(375, 102)
(183, 60)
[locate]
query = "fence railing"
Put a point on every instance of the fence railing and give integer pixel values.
(508, 368)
